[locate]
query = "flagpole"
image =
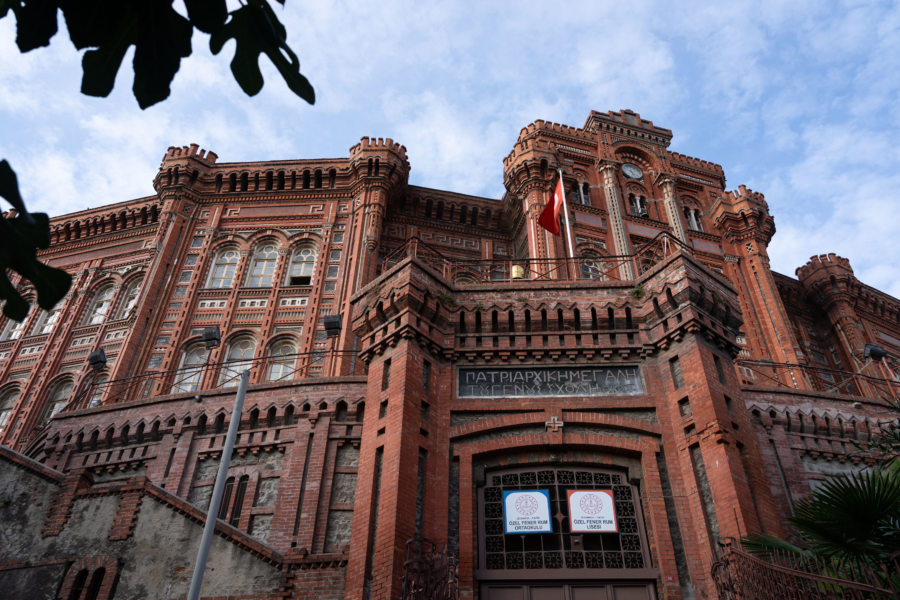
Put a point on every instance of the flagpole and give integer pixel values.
(562, 187)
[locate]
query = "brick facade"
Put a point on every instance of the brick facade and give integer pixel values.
(725, 390)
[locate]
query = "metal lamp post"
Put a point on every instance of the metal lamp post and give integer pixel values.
(216, 500)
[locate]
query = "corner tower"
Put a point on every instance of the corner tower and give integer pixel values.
(743, 220)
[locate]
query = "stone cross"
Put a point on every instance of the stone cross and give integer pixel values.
(554, 424)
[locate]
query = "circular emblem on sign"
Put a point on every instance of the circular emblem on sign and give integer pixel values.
(591, 504)
(526, 504)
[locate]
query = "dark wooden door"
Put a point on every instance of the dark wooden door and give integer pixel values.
(567, 591)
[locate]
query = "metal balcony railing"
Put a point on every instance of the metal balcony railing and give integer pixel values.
(588, 267)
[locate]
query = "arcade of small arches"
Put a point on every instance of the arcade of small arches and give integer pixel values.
(822, 424)
(209, 421)
(452, 212)
(108, 223)
(270, 180)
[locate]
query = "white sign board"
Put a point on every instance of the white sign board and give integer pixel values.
(527, 512)
(592, 511)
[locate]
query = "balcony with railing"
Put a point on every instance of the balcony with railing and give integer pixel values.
(463, 273)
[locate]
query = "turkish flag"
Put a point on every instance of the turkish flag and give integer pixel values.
(549, 218)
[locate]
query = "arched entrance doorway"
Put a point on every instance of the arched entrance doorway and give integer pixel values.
(562, 564)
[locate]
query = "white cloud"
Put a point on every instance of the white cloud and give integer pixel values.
(796, 99)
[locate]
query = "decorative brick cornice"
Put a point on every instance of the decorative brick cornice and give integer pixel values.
(30, 465)
(61, 509)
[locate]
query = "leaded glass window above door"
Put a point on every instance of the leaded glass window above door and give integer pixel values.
(555, 554)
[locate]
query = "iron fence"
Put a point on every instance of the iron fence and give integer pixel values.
(430, 573)
(587, 267)
(739, 575)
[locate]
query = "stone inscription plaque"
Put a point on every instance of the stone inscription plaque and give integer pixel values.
(549, 382)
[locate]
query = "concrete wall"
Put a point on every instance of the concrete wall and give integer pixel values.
(154, 561)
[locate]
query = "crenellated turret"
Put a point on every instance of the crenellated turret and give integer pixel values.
(380, 158)
(830, 280)
(183, 166)
(742, 218)
(742, 215)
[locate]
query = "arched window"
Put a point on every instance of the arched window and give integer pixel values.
(692, 215)
(281, 361)
(579, 194)
(222, 273)
(97, 390)
(46, 320)
(187, 379)
(592, 267)
(303, 261)
(7, 402)
(129, 299)
(96, 313)
(637, 205)
(12, 330)
(262, 266)
(238, 358)
(57, 399)
(78, 585)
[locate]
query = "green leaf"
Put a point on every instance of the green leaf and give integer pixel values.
(765, 545)
(20, 237)
(35, 23)
(101, 66)
(164, 38)
(256, 30)
(15, 306)
(92, 23)
(9, 187)
(207, 15)
(160, 35)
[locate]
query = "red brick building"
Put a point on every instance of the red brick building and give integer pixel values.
(663, 369)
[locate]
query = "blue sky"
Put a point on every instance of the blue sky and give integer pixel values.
(797, 99)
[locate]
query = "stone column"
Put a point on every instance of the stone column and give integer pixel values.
(616, 221)
(667, 183)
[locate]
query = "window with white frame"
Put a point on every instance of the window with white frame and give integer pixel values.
(225, 266)
(7, 402)
(238, 358)
(593, 267)
(303, 261)
(12, 330)
(57, 399)
(97, 390)
(129, 299)
(99, 306)
(47, 320)
(187, 378)
(282, 357)
(262, 266)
